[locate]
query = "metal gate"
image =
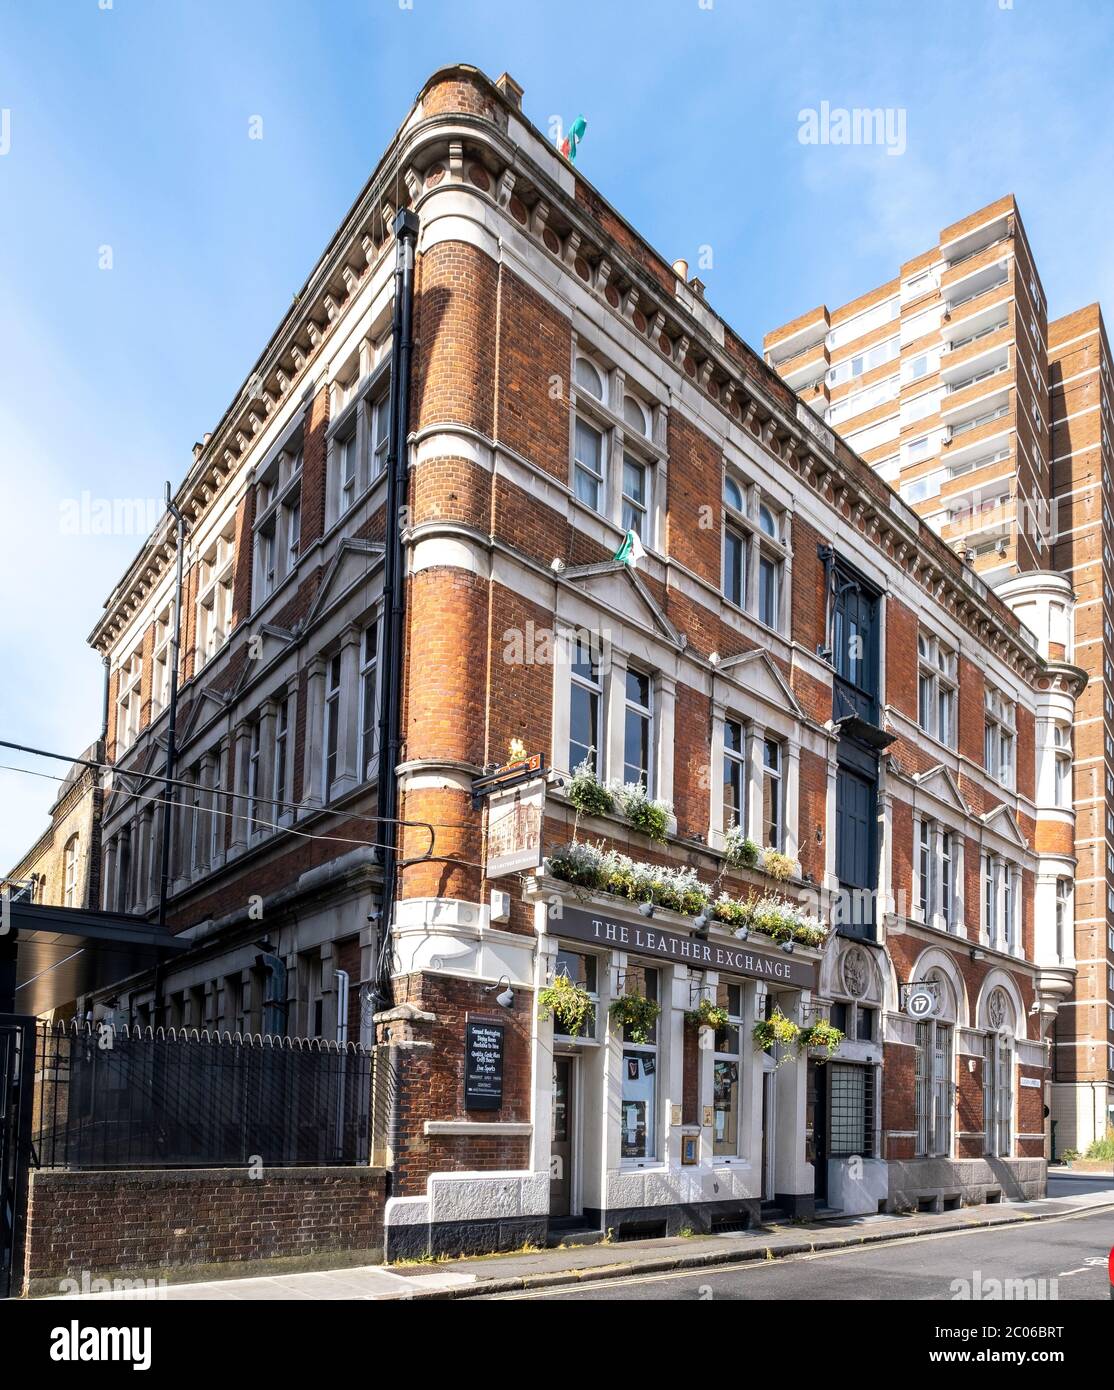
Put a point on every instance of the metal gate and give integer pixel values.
(17, 1074)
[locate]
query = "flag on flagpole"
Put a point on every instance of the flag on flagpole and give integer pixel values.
(568, 145)
(631, 551)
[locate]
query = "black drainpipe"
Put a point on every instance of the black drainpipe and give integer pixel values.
(394, 581)
(394, 602)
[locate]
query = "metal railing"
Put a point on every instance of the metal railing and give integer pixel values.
(136, 1098)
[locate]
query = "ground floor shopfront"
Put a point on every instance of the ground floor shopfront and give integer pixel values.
(676, 1127)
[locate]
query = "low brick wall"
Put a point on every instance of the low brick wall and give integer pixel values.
(199, 1223)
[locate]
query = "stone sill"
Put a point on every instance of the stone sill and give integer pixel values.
(508, 1129)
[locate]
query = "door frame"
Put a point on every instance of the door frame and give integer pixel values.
(576, 1130)
(767, 1184)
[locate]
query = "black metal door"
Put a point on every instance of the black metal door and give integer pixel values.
(816, 1126)
(17, 1073)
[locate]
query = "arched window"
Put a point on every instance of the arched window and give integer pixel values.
(589, 379)
(69, 873)
(753, 557)
(732, 494)
(636, 416)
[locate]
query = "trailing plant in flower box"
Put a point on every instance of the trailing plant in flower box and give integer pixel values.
(588, 794)
(651, 817)
(739, 850)
(777, 1031)
(822, 1034)
(636, 1015)
(708, 1015)
(579, 863)
(568, 1004)
(779, 866)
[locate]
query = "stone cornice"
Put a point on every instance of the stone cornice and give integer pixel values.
(477, 152)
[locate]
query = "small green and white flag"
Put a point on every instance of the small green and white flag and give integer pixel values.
(631, 551)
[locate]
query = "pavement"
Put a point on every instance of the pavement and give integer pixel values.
(528, 1271)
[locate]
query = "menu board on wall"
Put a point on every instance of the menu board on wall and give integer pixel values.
(483, 1066)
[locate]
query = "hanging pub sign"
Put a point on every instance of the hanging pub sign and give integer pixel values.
(514, 829)
(642, 938)
(483, 1065)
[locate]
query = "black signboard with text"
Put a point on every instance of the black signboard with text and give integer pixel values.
(483, 1065)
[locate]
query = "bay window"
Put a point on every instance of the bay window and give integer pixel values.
(1061, 752)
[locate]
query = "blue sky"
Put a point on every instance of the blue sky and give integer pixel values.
(127, 127)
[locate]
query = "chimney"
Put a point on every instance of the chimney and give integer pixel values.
(510, 89)
(197, 448)
(681, 270)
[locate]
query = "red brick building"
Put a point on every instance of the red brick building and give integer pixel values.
(802, 854)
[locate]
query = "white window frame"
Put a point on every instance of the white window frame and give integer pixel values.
(739, 760)
(594, 685)
(735, 1023)
(69, 873)
(281, 755)
(330, 748)
(936, 688)
(369, 689)
(760, 544)
(128, 700)
(773, 775)
(999, 737)
(644, 715)
(645, 1050)
(252, 778)
(215, 596)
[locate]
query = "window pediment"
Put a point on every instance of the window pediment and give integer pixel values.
(600, 580)
(759, 675)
